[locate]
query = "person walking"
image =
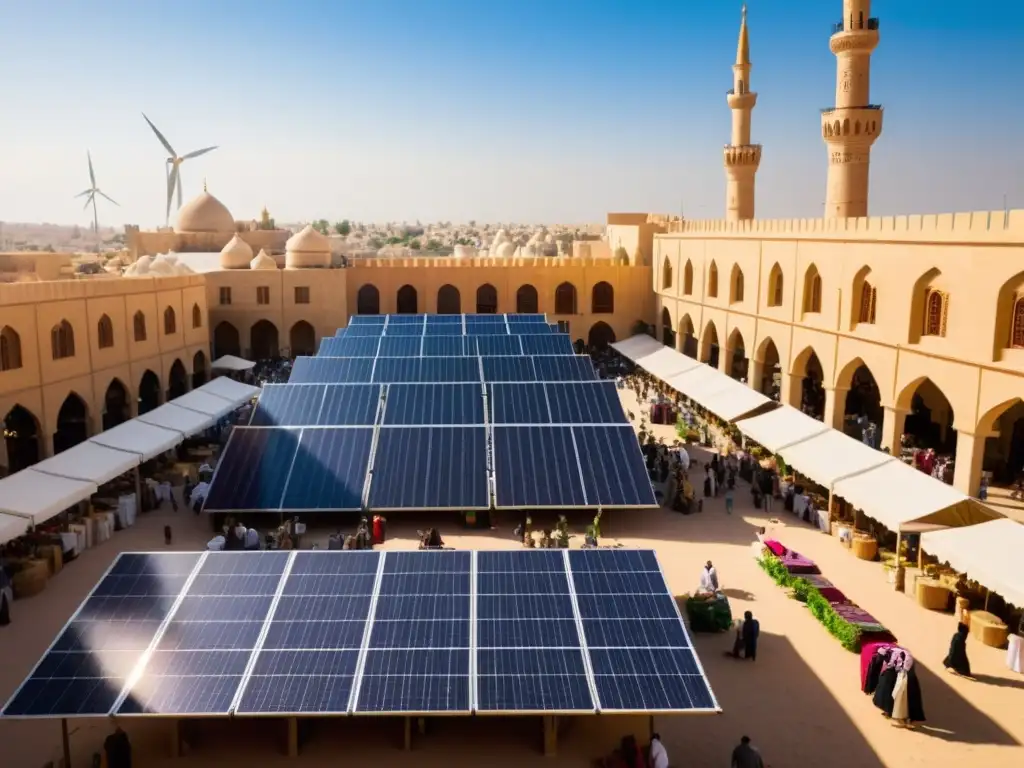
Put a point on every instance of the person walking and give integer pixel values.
(745, 755)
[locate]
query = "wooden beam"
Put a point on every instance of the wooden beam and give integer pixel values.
(175, 738)
(550, 736)
(293, 737)
(408, 734)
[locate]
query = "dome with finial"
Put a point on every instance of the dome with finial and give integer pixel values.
(307, 248)
(204, 213)
(263, 261)
(236, 254)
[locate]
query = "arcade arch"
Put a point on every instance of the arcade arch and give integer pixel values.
(808, 394)
(449, 300)
(487, 300)
(302, 339)
(177, 380)
(226, 340)
(368, 300)
(600, 336)
(264, 340)
(72, 423)
(149, 392)
(709, 351)
(689, 340)
(408, 300)
(116, 404)
(21, 438)
(668, 336)
(526, 300)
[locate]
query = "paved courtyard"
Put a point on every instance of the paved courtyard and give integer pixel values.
(800, 702)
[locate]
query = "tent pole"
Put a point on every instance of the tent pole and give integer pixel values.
(988, 594)
(138, 489)
(65, 742)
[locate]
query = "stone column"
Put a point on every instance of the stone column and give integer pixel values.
(725, 360)
(893, 422)
(792, 389)
(679, 341)
(755, 373)
(835, 407)
(970, 450)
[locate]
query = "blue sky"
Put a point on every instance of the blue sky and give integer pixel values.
(508, 110)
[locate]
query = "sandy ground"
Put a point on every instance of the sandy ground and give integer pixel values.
(800, 702)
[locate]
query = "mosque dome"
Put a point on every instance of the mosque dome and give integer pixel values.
(505, 250)
(161, 266)
(263, 261)
(308, 248)
(204, 213)
(464, 252)
(236, 254)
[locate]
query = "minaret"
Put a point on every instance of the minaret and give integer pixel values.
(854, 123)
(741, 157)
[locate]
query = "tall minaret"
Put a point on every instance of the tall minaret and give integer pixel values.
(854, 123)
(741, 157)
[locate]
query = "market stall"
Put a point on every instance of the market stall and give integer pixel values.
(206, 403)
(145, 440)
(654, 357)
(723, 395)
(234, 392)
(989, 553)
(38, 497)
(831, 456)
(232, 363)
(90, 462)
(183, 420)
(12, 527)
(781, 428)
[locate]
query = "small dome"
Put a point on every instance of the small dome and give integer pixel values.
(161, 266)
(505, 250)
(204, 213)
(141, 266)
(236, 254)
(308, 248)
(263, 261)
(464, 252)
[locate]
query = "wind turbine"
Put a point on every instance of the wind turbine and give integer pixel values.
(90, 195)
(174, 165)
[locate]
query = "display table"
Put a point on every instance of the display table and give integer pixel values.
(988, 629)
(865, 547)
(932, 594)
(709, 614)
(1015, 654)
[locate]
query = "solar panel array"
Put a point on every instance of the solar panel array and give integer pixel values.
(405, 430)
(336, 633)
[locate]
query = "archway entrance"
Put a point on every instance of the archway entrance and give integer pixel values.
(21, 436)
(408, 301)
(487, 300)
(449, 300)
(199, 369)
(177, 380)
(149, 392)
(526, 300)
(689, 339)
(1004, 453)
(771, 372)
(738, 364)
(368, 300)
(72, 424)
(809, 397)
(864, 405)
(929, 421)
(116, 407)
(600, 336)
(264, 341)
(226, 340)
(668, 336)
(709, 346)
(302, 339)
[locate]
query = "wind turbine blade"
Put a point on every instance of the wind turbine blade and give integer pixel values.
(108, 197)
(92, 176)
(198, 152)
(177, 175)
(95, 219)
(167, 144)
(92, 199)
(83, 194)
(172, 174)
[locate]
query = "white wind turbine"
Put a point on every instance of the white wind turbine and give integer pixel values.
(90, 195)
(173, 166)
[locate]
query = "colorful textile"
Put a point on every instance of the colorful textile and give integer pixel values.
(775, 547)
(859, 618)
(797, 563)
(826, 588)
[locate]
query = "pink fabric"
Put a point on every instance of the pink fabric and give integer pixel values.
(775, 547)
(867, 652)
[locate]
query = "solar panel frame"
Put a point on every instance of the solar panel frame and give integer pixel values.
(349, 346)
(311, 397)
(508, 369)
(356, 331)
(343, 482)
(367, 320)
(497, 345)
(518, 403)
(584, 402)
(426, 370)
(533, 485)
(400, 346)
(621, 476)
(433, 404)
(410, 319)
(564, 368)
(245, 468)
(443, 329)
(448, 346)
(332, 370)
(535, 344)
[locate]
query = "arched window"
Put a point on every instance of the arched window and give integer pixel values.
(736, 289)
(10, 349)
(713, 281)
(775, 286)
(62, 340)
(688, 278)
(602, 299)
(527, 300)
(197, 316)
(104, 333)
(139, 323)
(812, 291)
(867, 304)
(935, 309)
(565, 299)
(666, 274)
(170, 321)
(1017, 327)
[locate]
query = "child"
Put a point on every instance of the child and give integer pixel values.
(728, 500)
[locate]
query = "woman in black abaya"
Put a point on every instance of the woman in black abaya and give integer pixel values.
(956, 660)
(898, 694)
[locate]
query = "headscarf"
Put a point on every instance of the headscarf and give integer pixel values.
(900, 660)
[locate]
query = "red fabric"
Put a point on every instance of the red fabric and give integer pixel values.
(378, 531)
(867, 652)
(775, 547)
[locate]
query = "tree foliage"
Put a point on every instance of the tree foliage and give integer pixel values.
(342, 227)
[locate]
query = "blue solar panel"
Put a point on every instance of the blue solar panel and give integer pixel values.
(585, 403)
(358, 331)
(498, 345)
(400, 346)
(361, 346)
(446, 330)
(288, 405)
(350, 405)
(614, 473)
(253, 472)
(412, 319)
(443, 320)
(371, 320)
(550, 344)
(484, 319)
(530, 329)
(331, 370)
(642, 660)
(329, 471)
(448, 346)
(526, 318)
(518, 404)
(575, 368)
(430, 468)
(421, 404)
(509, 369)
(487, 329)
(536, 467)
(412, 370)
(404, 330)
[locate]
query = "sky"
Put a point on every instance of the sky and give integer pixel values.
(541, 111)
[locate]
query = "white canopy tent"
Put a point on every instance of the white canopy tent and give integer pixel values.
(781, 428)
(204, 403)
(895, 494)
(38, 497)
(832, 456)
(90, 462)
(12, 527)
(232, 363)
(989, 553)
(171, 416)
(138, 437)
(228, 389)
(655, 358)
(722, 395)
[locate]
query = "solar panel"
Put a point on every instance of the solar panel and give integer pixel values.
(498, 345)
(331, 370)
(529, 655)
(443, 320)
(308, 660)
(404, 330)
(369, 320)
(447, 329)
(518, 403)
(614, 473)
(546, 344)
(484, 319)
(394, 320)
(575, 368)
(487, 329)
(590, 402)
(640, 653)
(530, 329)
(253, 472)
(349, 405)
(509, 369)
(348, 346)
(430, 468)
(448, 346)
(535, 468)
(526, 318)
(288, 405)
(422, 404)
(399, 370)
(356, 331)
(86, 668)
(418, 658)
(329, 470)
(400, 346)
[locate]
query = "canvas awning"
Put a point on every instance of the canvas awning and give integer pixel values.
(90, 462)
(232, 363)
(783, 427)
(204, 403)
(658, 360)
(233, 391)
(146, 440)
(989, 553)
(722, 395)
(831, 456)
(38, 497)
(895, 494)
(12, 527)
(171, 416)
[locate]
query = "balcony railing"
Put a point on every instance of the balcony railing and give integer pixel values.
(855, 26)
(827, 110)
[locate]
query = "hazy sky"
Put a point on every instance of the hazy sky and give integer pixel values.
(504, 110)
